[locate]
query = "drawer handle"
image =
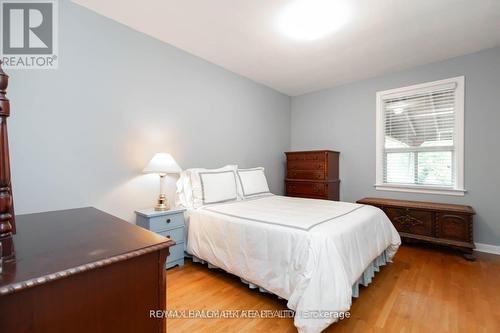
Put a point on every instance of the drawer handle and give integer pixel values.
(168, 220)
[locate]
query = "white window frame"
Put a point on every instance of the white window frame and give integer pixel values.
(458, 139)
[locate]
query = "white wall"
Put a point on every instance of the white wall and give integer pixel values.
(343, 119)
(80, 135)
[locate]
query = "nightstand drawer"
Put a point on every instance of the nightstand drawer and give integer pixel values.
(166, 222)
(176, 234)
(176, 253)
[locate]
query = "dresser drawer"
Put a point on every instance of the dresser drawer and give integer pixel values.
(176, 234)
(454, 227)
(411, 221)
(306, 188)
(306, 174)
(166, 222)
(176, 253)
(305, 165)
(308, 196)
(312, 156)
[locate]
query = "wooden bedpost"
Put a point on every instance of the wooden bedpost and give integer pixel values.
(7, 223)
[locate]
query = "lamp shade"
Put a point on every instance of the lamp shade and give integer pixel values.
(162, 163)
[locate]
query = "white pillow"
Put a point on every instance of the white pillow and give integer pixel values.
(197, 191)
(184, 195)
(218, 186)
(252, 182)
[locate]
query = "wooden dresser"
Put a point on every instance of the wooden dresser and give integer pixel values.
(313, 174)
(444, 224)
(82, 270)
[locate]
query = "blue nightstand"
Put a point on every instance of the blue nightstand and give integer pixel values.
(169, 224)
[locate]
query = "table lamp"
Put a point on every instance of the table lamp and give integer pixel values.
(162, 164)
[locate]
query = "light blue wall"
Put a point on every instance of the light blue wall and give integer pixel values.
(80, 135)
(343, 118)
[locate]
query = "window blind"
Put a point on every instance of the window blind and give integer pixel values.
(419, 136)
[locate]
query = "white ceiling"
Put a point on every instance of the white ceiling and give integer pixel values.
(382, 36)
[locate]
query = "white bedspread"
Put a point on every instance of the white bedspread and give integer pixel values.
(309, 252)
(286, 211)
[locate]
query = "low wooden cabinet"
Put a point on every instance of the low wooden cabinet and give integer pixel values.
(444, 224)
(313, 174)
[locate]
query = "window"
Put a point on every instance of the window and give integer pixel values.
(420, 138)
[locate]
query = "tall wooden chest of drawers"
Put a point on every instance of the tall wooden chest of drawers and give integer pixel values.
(313, 174)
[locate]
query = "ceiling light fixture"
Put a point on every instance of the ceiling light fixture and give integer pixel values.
(312, 19)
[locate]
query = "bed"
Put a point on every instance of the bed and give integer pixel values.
(313, 253)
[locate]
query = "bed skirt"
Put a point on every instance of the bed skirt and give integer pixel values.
(365, 279)
(369, 273)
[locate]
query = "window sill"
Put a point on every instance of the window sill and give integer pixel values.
(418, 189)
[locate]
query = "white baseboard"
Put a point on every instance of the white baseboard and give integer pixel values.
(488, 248)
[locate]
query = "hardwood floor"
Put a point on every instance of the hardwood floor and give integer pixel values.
(423, 290)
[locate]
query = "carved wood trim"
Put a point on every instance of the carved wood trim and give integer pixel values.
(15, 287)
(7, 222)
(452, 216)
(408, 221)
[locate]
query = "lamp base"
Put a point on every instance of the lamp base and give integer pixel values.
(162, 204)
